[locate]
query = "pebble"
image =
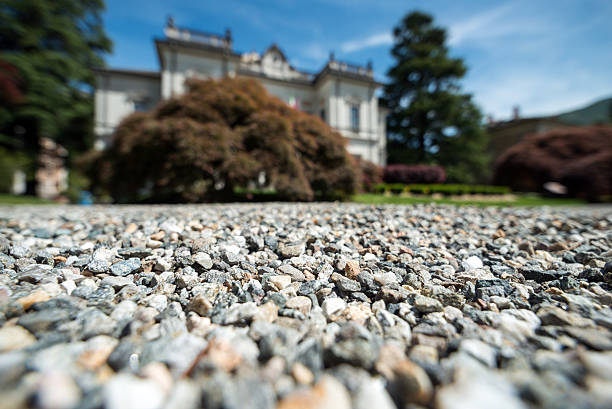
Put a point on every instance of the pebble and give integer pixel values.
(15, 337)
(300, 303)
(426, 304)
(333, 306)
(473, 263)
(125, 391)
(322, 305)
(327, 393)
(280, 282)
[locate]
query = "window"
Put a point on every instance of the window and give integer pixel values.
(322, 114)
(355, 117)
(140, 106)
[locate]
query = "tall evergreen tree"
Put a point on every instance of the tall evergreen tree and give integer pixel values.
(52, 44)
(430, 120)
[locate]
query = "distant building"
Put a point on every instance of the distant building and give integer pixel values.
(342, 94)
(504, 134)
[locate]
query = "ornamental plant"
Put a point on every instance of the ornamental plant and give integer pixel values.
(220, 136)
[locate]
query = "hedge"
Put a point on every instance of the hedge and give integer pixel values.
(447, 190)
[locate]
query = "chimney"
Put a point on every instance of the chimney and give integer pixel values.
(516, 113)
(228, 38)
(170, 22)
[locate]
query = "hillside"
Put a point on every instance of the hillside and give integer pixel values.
(599, 112)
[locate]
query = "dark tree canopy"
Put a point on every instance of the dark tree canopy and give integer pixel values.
(430, 120)
(52, 45)
(223, 134)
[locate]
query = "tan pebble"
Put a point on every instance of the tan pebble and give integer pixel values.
(104, 374)
(412, 382)
(328, 393)
(223, 355)
(352, 269)
(357, 312)
(200, 305)
(154, 244)
(300, 303)
(158, 236)
(267, 312)
(302, 374)
(388, 357)
(131, 228)
(95, 358)
(280, 282)
(158, 373)
(273, 369)
(14, 337)
(425, 353)
(32, 298)
(308, 276)
(554, 290)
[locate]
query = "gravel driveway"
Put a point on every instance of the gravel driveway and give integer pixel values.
(322, 306)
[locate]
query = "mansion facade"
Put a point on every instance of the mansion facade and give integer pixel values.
(342, 94)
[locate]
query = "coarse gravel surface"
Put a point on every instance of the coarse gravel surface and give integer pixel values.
(256, 306)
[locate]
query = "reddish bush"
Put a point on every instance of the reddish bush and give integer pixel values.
(414, 174)
(578, 157)
(590, 177)
(371, 174)
(223, 134)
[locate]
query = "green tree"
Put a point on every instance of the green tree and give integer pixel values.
(430, 120)
(53, 44)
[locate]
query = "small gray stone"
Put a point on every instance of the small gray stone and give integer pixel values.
(126, 267)
(293, 249)
(426, 305)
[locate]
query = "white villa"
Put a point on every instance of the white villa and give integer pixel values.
(342, 94)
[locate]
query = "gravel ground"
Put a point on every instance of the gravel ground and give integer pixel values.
(305, 306)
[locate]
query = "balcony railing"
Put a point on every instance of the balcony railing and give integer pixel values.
(213, 40)
(352, 68)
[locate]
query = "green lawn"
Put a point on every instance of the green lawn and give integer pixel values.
(526, 200)
(13, 200)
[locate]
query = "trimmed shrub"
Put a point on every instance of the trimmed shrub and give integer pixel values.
(414, 174)
(222, 135)
(578, 157)
(447, 190)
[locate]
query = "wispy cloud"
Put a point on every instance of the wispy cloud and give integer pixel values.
(484, 24)
(384, 38)
(509, 23)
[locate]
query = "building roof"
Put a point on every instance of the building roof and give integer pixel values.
(123, 71)
(222, 44)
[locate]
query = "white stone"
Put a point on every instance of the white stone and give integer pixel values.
(473, 262)
(57, 391)
(69, 286)
(332, 306)
(372, 394)
(478, 391)
(126, 391)
(482, 352)
(369, 257)
(158, 301)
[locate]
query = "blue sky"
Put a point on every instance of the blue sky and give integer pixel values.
(546, 56)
